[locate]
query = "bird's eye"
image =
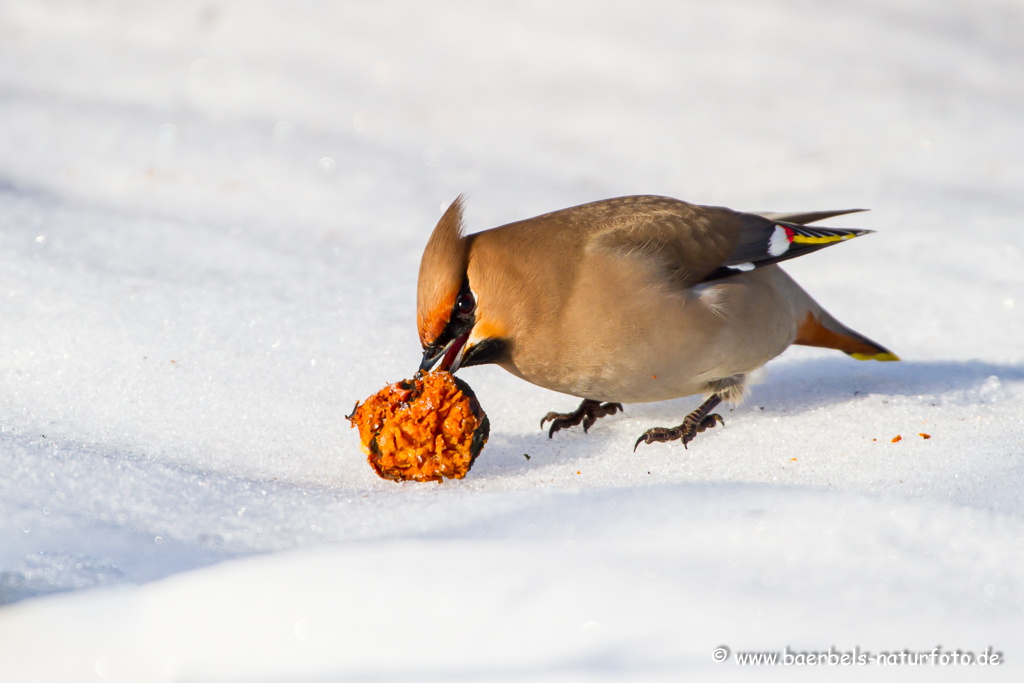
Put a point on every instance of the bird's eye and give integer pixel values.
(466, 304)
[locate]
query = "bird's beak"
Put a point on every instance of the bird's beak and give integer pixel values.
(450, 355)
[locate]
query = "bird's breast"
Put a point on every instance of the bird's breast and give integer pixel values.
(620, 334)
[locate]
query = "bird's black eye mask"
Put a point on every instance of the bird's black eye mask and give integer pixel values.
(461, 321)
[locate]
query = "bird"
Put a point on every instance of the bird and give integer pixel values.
(628, 300)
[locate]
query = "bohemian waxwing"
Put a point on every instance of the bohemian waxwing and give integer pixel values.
(627, 300)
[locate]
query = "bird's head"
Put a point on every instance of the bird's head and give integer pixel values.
(452, 324)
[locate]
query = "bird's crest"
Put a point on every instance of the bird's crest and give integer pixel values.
(442, 272)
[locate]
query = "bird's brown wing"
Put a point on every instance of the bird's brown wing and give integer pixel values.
(694, 244)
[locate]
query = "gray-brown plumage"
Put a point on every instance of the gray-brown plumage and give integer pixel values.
(627, 300)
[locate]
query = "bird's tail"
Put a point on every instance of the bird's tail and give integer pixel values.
(819, 328)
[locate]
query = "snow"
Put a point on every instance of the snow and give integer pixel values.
(211, 216)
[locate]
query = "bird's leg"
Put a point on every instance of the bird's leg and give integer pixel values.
(695, 422)
(587, 413)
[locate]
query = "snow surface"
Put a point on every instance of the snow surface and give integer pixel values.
(211, 215)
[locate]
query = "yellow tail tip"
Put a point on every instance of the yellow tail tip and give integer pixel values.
(884, 356)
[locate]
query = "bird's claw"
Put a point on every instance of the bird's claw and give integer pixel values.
(693, 425)
(587, 413)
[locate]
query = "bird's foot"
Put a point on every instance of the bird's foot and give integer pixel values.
(695, 423)
(587, 413)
